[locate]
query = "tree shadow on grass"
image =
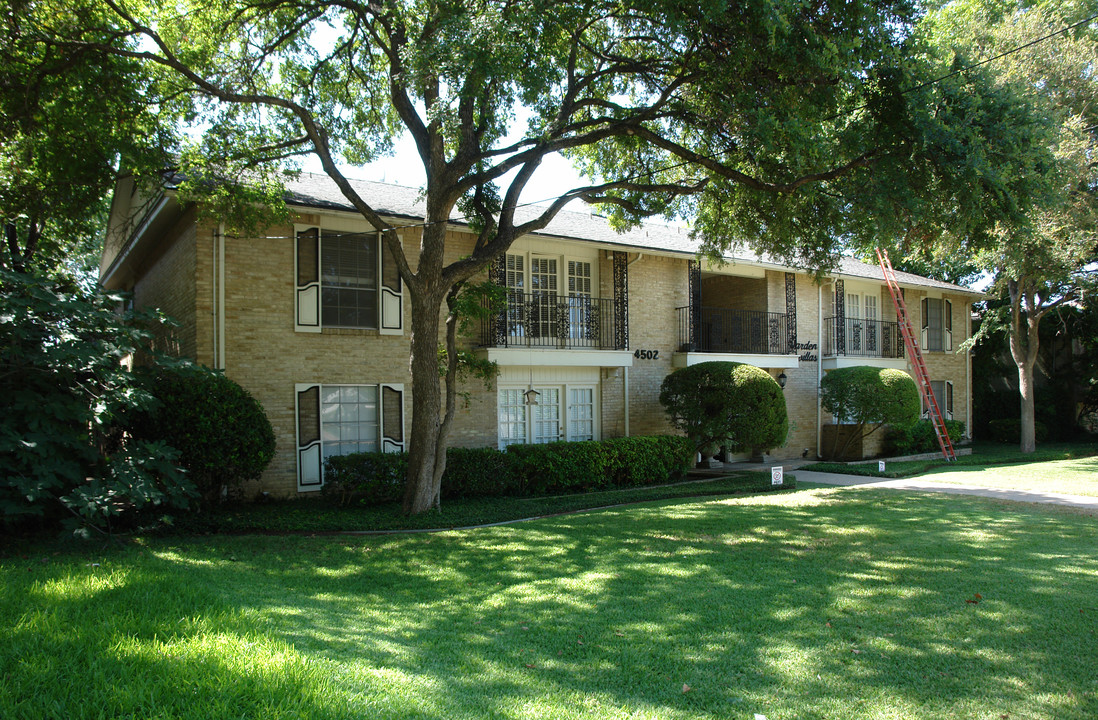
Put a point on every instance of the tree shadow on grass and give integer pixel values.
(807, 606)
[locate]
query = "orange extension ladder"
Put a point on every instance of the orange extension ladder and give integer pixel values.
(922, 379)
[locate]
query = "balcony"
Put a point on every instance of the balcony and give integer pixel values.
(853, 337)
(740, 332)
(550, 321)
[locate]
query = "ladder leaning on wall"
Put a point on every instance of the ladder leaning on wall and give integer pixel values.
(915, 356)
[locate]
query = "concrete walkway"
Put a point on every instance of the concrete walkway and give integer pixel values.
(1079, 501)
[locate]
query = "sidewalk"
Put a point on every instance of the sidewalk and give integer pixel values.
(1079, 501)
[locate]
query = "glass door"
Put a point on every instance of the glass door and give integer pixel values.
(546, 416)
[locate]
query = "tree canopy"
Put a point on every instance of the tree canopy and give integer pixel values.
(67, 115)
(1047, 53)
(786, 126)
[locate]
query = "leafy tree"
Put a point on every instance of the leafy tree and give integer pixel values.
(63, 453)
(870, 397)
(726, 404)
(1044, 258)
(221, 432)
(789, 124)
(66, 115)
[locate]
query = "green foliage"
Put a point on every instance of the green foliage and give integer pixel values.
(864, 395)
(522, 470)
(59, 150)
(919, 437)
(372, 478)
(221, 431)
(1009, 430)
(65, 388)
(726, 404)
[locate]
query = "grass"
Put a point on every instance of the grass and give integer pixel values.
(1074, 477)
(812, 604)
(322, 516)
(984, 456)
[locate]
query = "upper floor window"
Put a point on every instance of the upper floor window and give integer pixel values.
(345, 280)
(937, 325)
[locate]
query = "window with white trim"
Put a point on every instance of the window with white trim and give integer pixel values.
(346, 280)
(943, 396)
(937, 325)
(542, 287)
(562, 412)
(344, 419)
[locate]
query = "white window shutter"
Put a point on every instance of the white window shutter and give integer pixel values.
(307, 280)
(947, 324)
(949, 399)
(391, 293)
(310, 466)
(391, 412)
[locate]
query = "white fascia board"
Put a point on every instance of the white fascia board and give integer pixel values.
(555, 357)
(772, 362)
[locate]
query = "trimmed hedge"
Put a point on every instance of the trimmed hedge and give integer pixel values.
(919, 437)
(522, 470)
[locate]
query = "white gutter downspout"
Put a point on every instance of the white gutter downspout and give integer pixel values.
(819, 369)
(968, 376)
(221, 295)
(625, 373)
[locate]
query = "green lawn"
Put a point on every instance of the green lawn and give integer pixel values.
(984, 456)
(1075, 477)
(812, 604)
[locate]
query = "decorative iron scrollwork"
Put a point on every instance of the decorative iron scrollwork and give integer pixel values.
(694, 287)
(791, 309)
(840, 317)
(621, 300)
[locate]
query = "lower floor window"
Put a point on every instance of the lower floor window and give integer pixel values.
(548, 414)
(943, 396)
(343, 419)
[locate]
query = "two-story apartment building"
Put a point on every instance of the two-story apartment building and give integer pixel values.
(311, 317)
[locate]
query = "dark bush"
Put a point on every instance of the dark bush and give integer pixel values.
(221, 432)
(559, 467)
(377, 478)
(373, 478)
(477, 472)
(1009, 430)
(726, 404)
(919, 437)
(647, 460)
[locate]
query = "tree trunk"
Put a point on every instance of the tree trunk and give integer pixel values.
(1029, 419)
(422, 489)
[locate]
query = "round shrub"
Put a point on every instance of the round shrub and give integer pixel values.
(726, 403)
(220, 430)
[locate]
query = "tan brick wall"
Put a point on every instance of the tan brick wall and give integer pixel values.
(166, 280)
(736, 293)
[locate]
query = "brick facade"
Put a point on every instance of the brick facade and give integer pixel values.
(263, 352)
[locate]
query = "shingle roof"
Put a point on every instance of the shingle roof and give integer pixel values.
(312, 190)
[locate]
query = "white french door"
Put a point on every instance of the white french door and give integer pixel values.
(562, 412)
(547, 416)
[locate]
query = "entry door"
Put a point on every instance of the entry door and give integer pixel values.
(547, 417)
(543, 287)
(872, 344)
(581, 413)
(580, 320)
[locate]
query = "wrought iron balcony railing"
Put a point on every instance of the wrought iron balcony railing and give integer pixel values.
(862, 338)
(721, 330)
(552, 320)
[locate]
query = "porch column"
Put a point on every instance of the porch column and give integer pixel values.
(693, 271)
(791, 309)
(621, 300)
(840, 317)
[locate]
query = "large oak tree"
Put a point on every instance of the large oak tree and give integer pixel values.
(1046, 257)
(784, 124)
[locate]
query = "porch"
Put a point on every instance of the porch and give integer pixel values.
(730, 331)
(547, 320)
(855, 337)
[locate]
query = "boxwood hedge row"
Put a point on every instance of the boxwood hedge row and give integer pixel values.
(377, 478)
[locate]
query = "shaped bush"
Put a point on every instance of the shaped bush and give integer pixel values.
(870, 397)
(220, 430)
(726, 403)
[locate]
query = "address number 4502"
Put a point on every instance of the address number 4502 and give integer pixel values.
(647, 354)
